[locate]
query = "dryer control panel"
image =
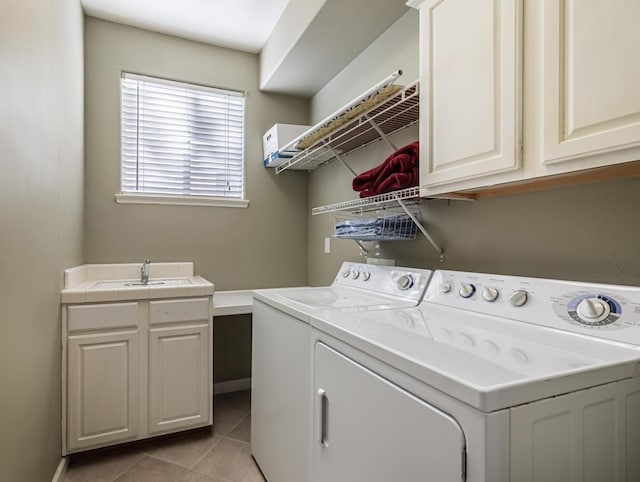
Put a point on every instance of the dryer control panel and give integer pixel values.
(604, 311)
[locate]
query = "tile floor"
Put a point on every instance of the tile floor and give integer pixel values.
(223, 455)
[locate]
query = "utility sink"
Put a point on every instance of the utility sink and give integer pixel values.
(91, 283)
(121, 284)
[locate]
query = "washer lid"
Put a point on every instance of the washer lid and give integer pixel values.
(303, 302)
(487, 362)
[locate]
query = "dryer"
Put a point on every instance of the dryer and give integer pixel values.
(490, 379)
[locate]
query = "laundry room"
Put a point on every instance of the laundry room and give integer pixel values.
(177, 306)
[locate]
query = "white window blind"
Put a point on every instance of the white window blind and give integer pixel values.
(180, 139)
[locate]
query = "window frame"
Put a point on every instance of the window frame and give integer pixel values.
(141, 197)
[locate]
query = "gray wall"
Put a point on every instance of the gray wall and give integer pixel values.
(587, 232)
(234, 248)
(41, 169)
(264, 245)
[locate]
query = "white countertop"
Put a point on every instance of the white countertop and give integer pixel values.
(95, 283)
(235, 302)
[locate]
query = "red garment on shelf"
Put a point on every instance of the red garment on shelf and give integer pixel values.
(398, 171)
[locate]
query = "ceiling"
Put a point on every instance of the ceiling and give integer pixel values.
(303, 43)
(238, 24)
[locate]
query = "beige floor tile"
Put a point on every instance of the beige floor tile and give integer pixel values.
(225, 419)
(186, 450)
(196, 477)
(242, 431)
(231, 460)
(236, 400)
(104, 468)
(153, 470)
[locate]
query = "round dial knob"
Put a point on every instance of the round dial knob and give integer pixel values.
(366, 275)
(355, 273)
(345, 273)
(490, 294)
(445, 287)
(467, 290)
(519, 298)
(593, 309)
(405, 282)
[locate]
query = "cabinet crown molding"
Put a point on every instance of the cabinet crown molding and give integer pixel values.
(414, 3)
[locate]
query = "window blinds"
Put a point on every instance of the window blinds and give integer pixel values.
(181, 139)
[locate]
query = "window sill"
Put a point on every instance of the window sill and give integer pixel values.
(135, 198)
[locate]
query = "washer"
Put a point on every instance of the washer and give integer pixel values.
(491, 378)
(281, 402)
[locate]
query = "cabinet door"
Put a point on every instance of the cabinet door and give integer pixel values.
(470, 77)
(179, 377)
(591, 76)
(368, 429)
(102, 389)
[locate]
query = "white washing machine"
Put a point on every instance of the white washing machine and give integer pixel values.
(281, 402)
(490, 379)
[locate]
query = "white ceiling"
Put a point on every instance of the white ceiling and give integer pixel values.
(312, 39)
(238, 24)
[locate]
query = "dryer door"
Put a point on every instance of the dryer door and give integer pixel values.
(370, 430)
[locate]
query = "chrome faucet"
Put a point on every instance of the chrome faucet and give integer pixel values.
(144, 271)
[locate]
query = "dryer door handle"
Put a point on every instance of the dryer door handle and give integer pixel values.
(323, 406)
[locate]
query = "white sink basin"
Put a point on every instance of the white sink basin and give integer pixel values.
(123, 284)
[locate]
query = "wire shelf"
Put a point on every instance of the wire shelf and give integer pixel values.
(391, 115)
(385, 224)
(411, 195)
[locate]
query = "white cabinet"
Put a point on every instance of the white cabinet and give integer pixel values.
(368, 428)
(470, 76)
(591, 74)
(136, 369)
(178, 377)
(102, 388)
(578, 108)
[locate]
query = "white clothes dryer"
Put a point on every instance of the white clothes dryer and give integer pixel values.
(490, 379)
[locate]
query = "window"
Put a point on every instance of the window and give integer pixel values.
(181, 143)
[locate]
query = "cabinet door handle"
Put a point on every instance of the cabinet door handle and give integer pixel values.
(323, 403)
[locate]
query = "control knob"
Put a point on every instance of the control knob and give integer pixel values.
(593, 310)
(490, 294)
(467, 290)
(405, 282)
(355, 273)
(345, 273)
(519, 298)
(445, 287)
(366, 275)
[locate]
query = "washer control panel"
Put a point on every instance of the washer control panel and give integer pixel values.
(605, 311)
(410, 283)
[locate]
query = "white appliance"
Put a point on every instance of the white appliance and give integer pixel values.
(282, 400)
(490, 379)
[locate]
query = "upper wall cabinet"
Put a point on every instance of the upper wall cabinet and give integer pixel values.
(470, 53)
(580, 100)
(591, 68)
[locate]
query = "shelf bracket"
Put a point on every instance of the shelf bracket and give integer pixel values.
(364, 250)
(339, 157)
(382, 135)
(420, 227)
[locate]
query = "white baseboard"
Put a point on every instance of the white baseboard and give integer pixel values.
(61, 471)
(232, 386)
